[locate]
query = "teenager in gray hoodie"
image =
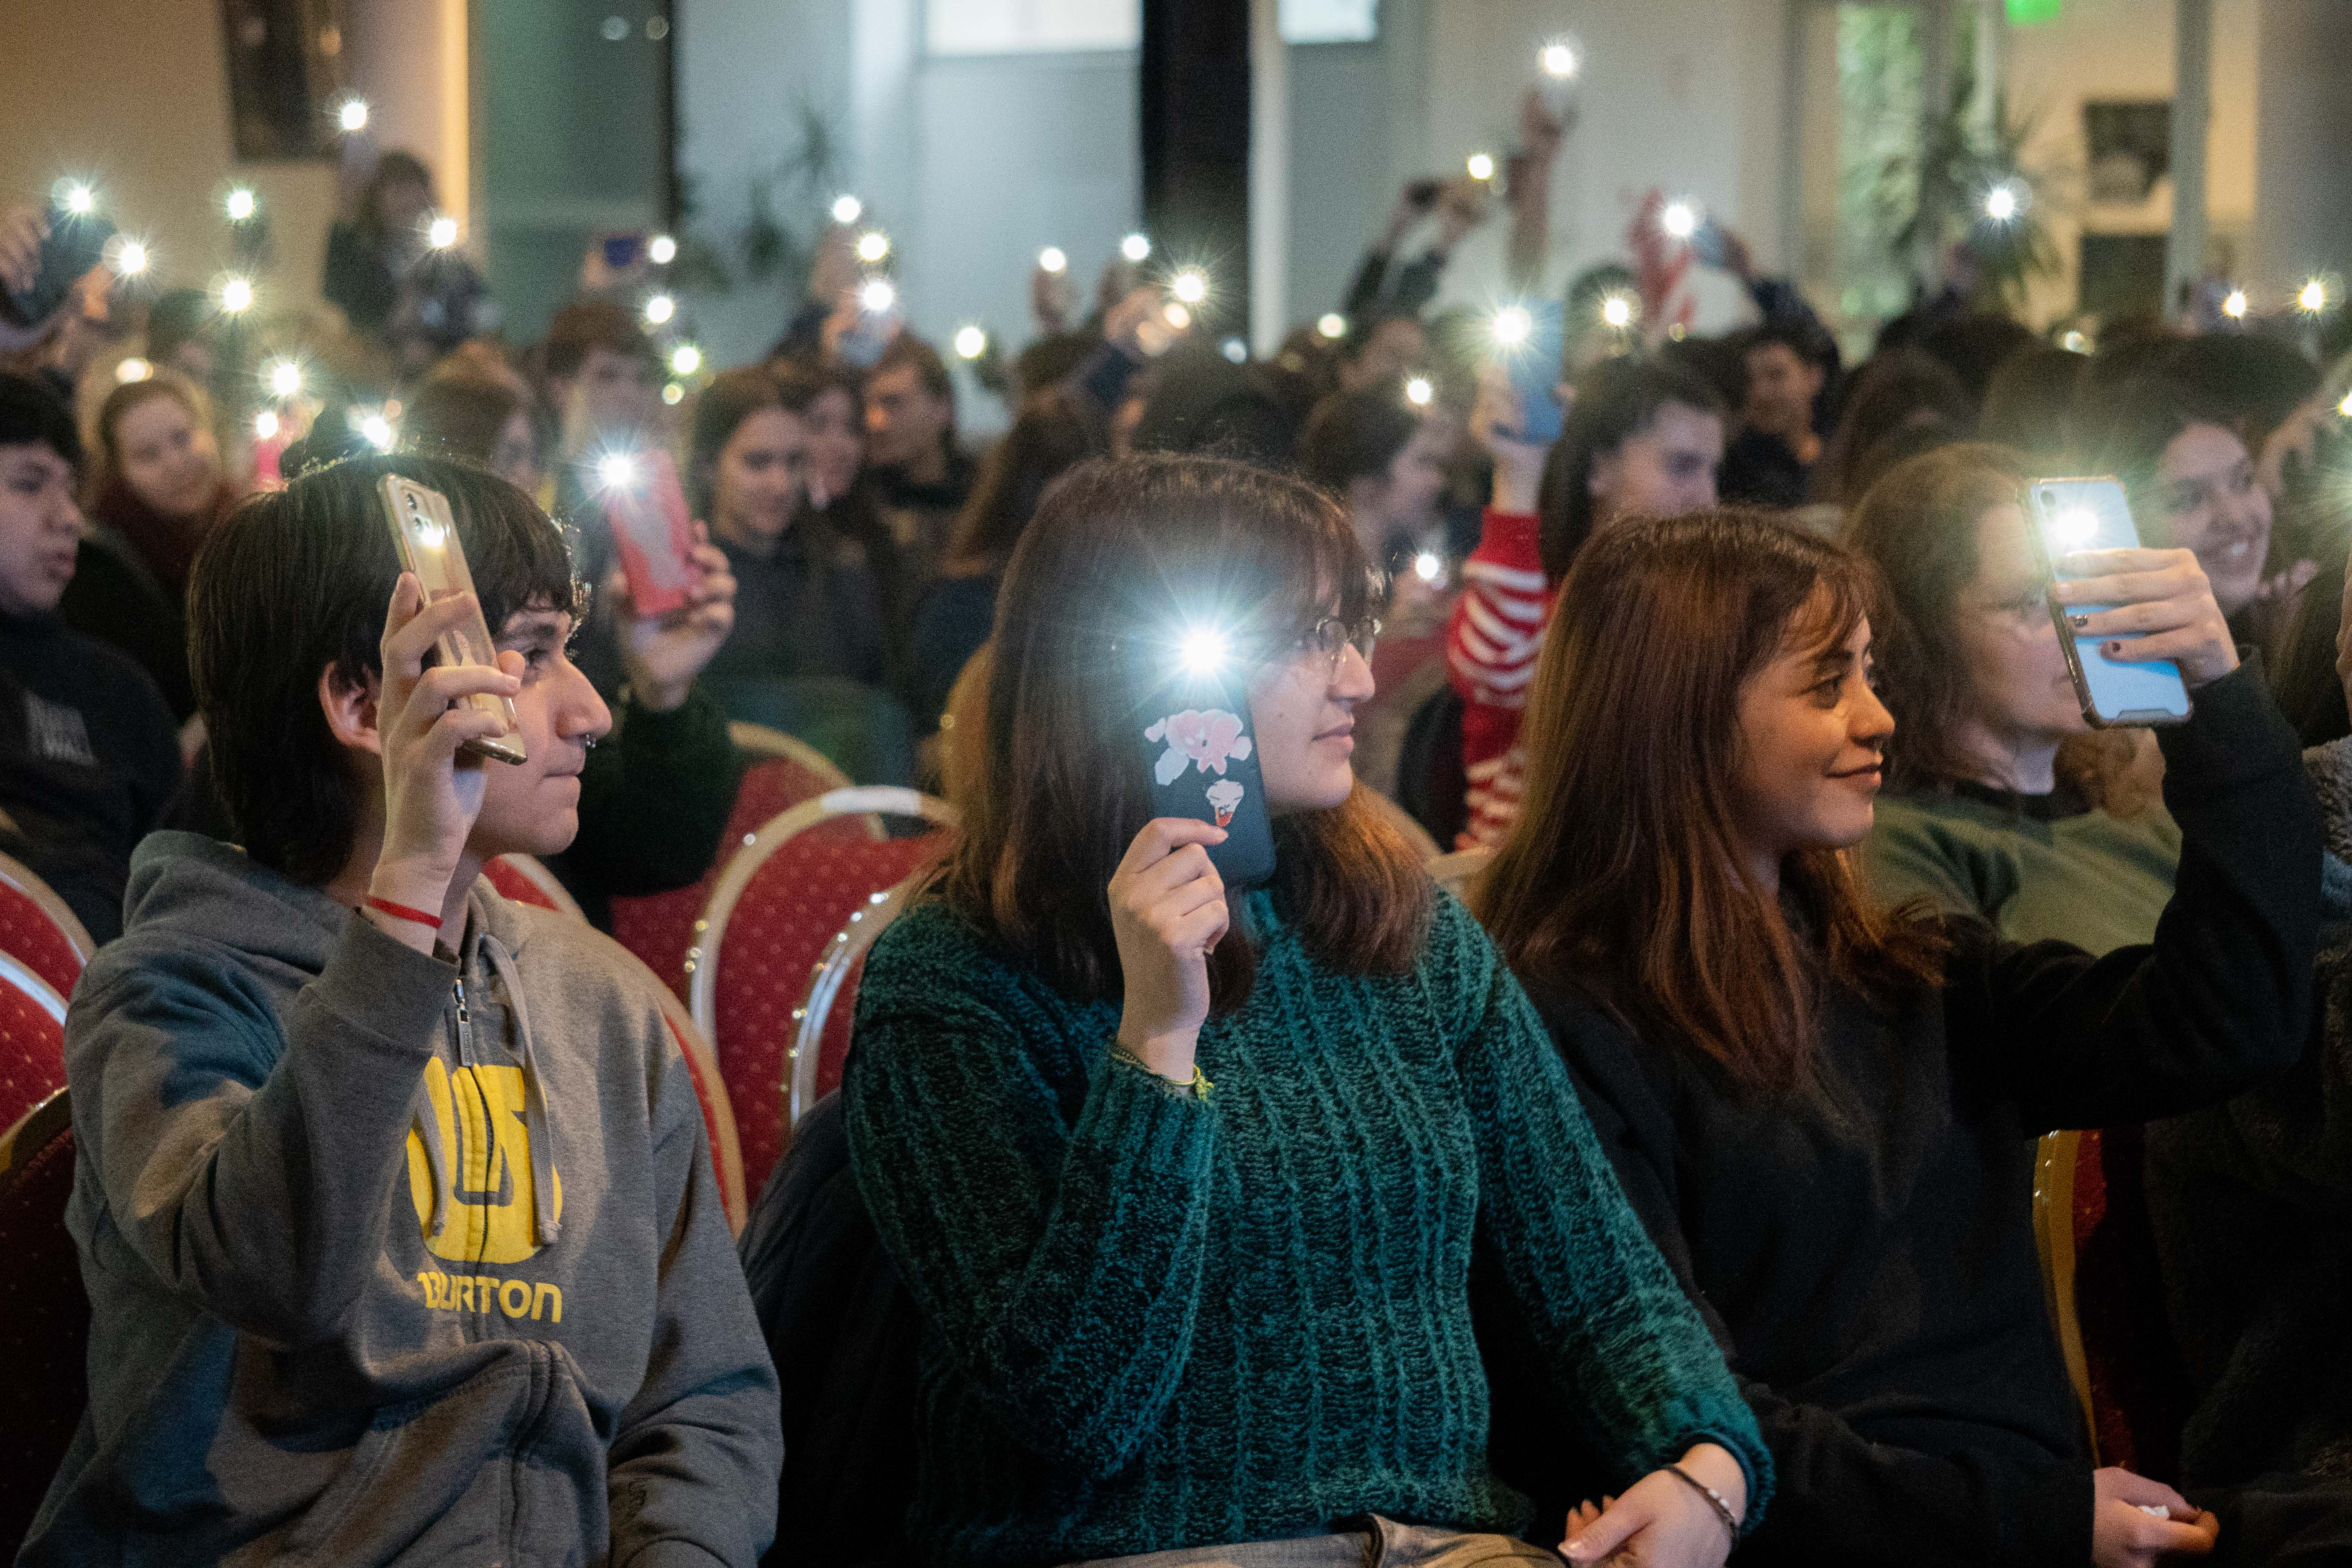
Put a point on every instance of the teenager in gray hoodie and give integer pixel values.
(394, 1200)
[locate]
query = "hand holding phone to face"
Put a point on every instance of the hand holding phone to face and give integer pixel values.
(425, 535)
(1198, 746)
(1168, 912)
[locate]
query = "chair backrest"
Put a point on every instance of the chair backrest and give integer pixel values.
(38, 930)
(32, 1040)
(761, 742)
(2107, 1297)
(821, 1023)
(774, 914)
(718, 1110)
(44, 1314)
(660, 928)
(525, 881)
(1456, 872)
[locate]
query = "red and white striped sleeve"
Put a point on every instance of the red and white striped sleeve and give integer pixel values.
(1491, 646)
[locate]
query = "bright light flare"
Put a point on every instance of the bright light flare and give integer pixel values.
(673, 393)
(684, 360)
(1190, 285)
(873, 245)
(876, 295)
(1202, 651)
(2345, 407)
(2074, 527)
(1051, 259)
(265, 424)
(130, 258)
(133, 369)
(1558, 59)
(1513, 326)
(660, 309)
(616, 470)
(354, 115)
(1176, 315)
(661, 250)
(377, 430)
(1333, 326)
(1617, 310)
(2235, 307)
(240, 204)
(847, 209)
(1680, 219)
(1235, 351)
(76, 197)
(1481, 166)
(441, 233)
(971, 343)
(2002, 203)
(1428, 567)
(2312, 297)
(1135, 247)
(236, 295)
(285, 378)
(1418, 390)
(2074, 343)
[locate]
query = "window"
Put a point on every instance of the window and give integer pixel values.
(1331, 21)
(1031, 27)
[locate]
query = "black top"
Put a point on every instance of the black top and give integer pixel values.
(654, 802)
(1876, 1284)
(806, 608)
(358, 278)
(958, 614)
(116, 598)
(89, 757)
(1761, 470)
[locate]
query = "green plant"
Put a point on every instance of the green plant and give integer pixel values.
(803, 179)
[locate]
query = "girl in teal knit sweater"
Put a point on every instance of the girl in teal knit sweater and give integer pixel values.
(1188, 1183)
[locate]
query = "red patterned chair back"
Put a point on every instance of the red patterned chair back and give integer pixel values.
(821, 1023)
(2106, 1293)
(32, 1040)
(37, 929)
(773, 918)
(44, 1314)
(718, 1110)
(659, 928)
(521, 879)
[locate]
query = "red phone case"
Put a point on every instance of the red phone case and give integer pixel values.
(653, 534)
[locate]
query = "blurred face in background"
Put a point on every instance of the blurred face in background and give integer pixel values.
(40, 529)
(1397, 346)
(1664, 469)
(1403, 499)
(2020, 692)
(614, 390)
(906, 426)
(1781, 391)
(755, 489)
(170, 461)
(516, 456)
(402, 207)
(2206, 498)
(837, 445)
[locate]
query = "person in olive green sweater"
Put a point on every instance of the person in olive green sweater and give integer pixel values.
(2000, 801)
(1187, 1182)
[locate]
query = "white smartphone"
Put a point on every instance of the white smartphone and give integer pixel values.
(425, 535)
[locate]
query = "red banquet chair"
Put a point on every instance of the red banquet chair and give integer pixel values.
(775, 916)
(39, 931)
(659, 928)
(718, 1110)
(2104, 1288)
(32, 1040)
(821, 1023)
(521, 879)
(44, 1314)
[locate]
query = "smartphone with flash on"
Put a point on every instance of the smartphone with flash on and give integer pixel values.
(425, 536)
(646, 506)
(2069, 515)
(1192, 722)
(1534, 363)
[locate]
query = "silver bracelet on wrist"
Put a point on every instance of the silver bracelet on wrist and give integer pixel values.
(1714, 1499)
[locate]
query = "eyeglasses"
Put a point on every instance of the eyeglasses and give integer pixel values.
(1331, 636)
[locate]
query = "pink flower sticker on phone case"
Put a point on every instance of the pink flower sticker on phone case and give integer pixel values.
(1209, 739)
(1224, 799)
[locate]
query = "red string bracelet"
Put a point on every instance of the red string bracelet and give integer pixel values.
(402, 911)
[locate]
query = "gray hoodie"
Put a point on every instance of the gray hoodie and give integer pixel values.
(390, 1260)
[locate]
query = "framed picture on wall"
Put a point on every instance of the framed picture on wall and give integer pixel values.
(2129, 147)
(285, 73)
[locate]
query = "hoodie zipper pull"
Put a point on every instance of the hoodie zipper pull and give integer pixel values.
(465, 1027)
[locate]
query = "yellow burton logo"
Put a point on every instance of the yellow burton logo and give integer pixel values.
(487, 1201)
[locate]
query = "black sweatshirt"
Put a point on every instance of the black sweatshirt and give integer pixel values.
(89, 758)
(1876, 1285)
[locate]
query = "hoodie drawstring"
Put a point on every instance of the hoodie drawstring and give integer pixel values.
(545, 1226)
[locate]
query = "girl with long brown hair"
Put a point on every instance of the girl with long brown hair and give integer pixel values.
(2001, 802)
(1187, 1182)
(1825, 1113)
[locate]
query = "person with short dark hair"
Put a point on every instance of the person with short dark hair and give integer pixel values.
(2030, 401)
(427, 1168)
(473, 416)
(89, 753)
(1771, 460)
(1894, 388)
(1385, 460)
(1188, 1183)
(922, 476)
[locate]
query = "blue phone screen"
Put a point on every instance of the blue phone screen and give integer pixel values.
(2092, 514)
(1536, 375)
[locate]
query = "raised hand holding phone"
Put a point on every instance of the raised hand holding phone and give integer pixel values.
(662, 653)
(2126, 612)
(1167, 914)
(432, 793)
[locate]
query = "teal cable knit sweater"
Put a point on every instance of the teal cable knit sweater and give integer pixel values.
(1155, 1321)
